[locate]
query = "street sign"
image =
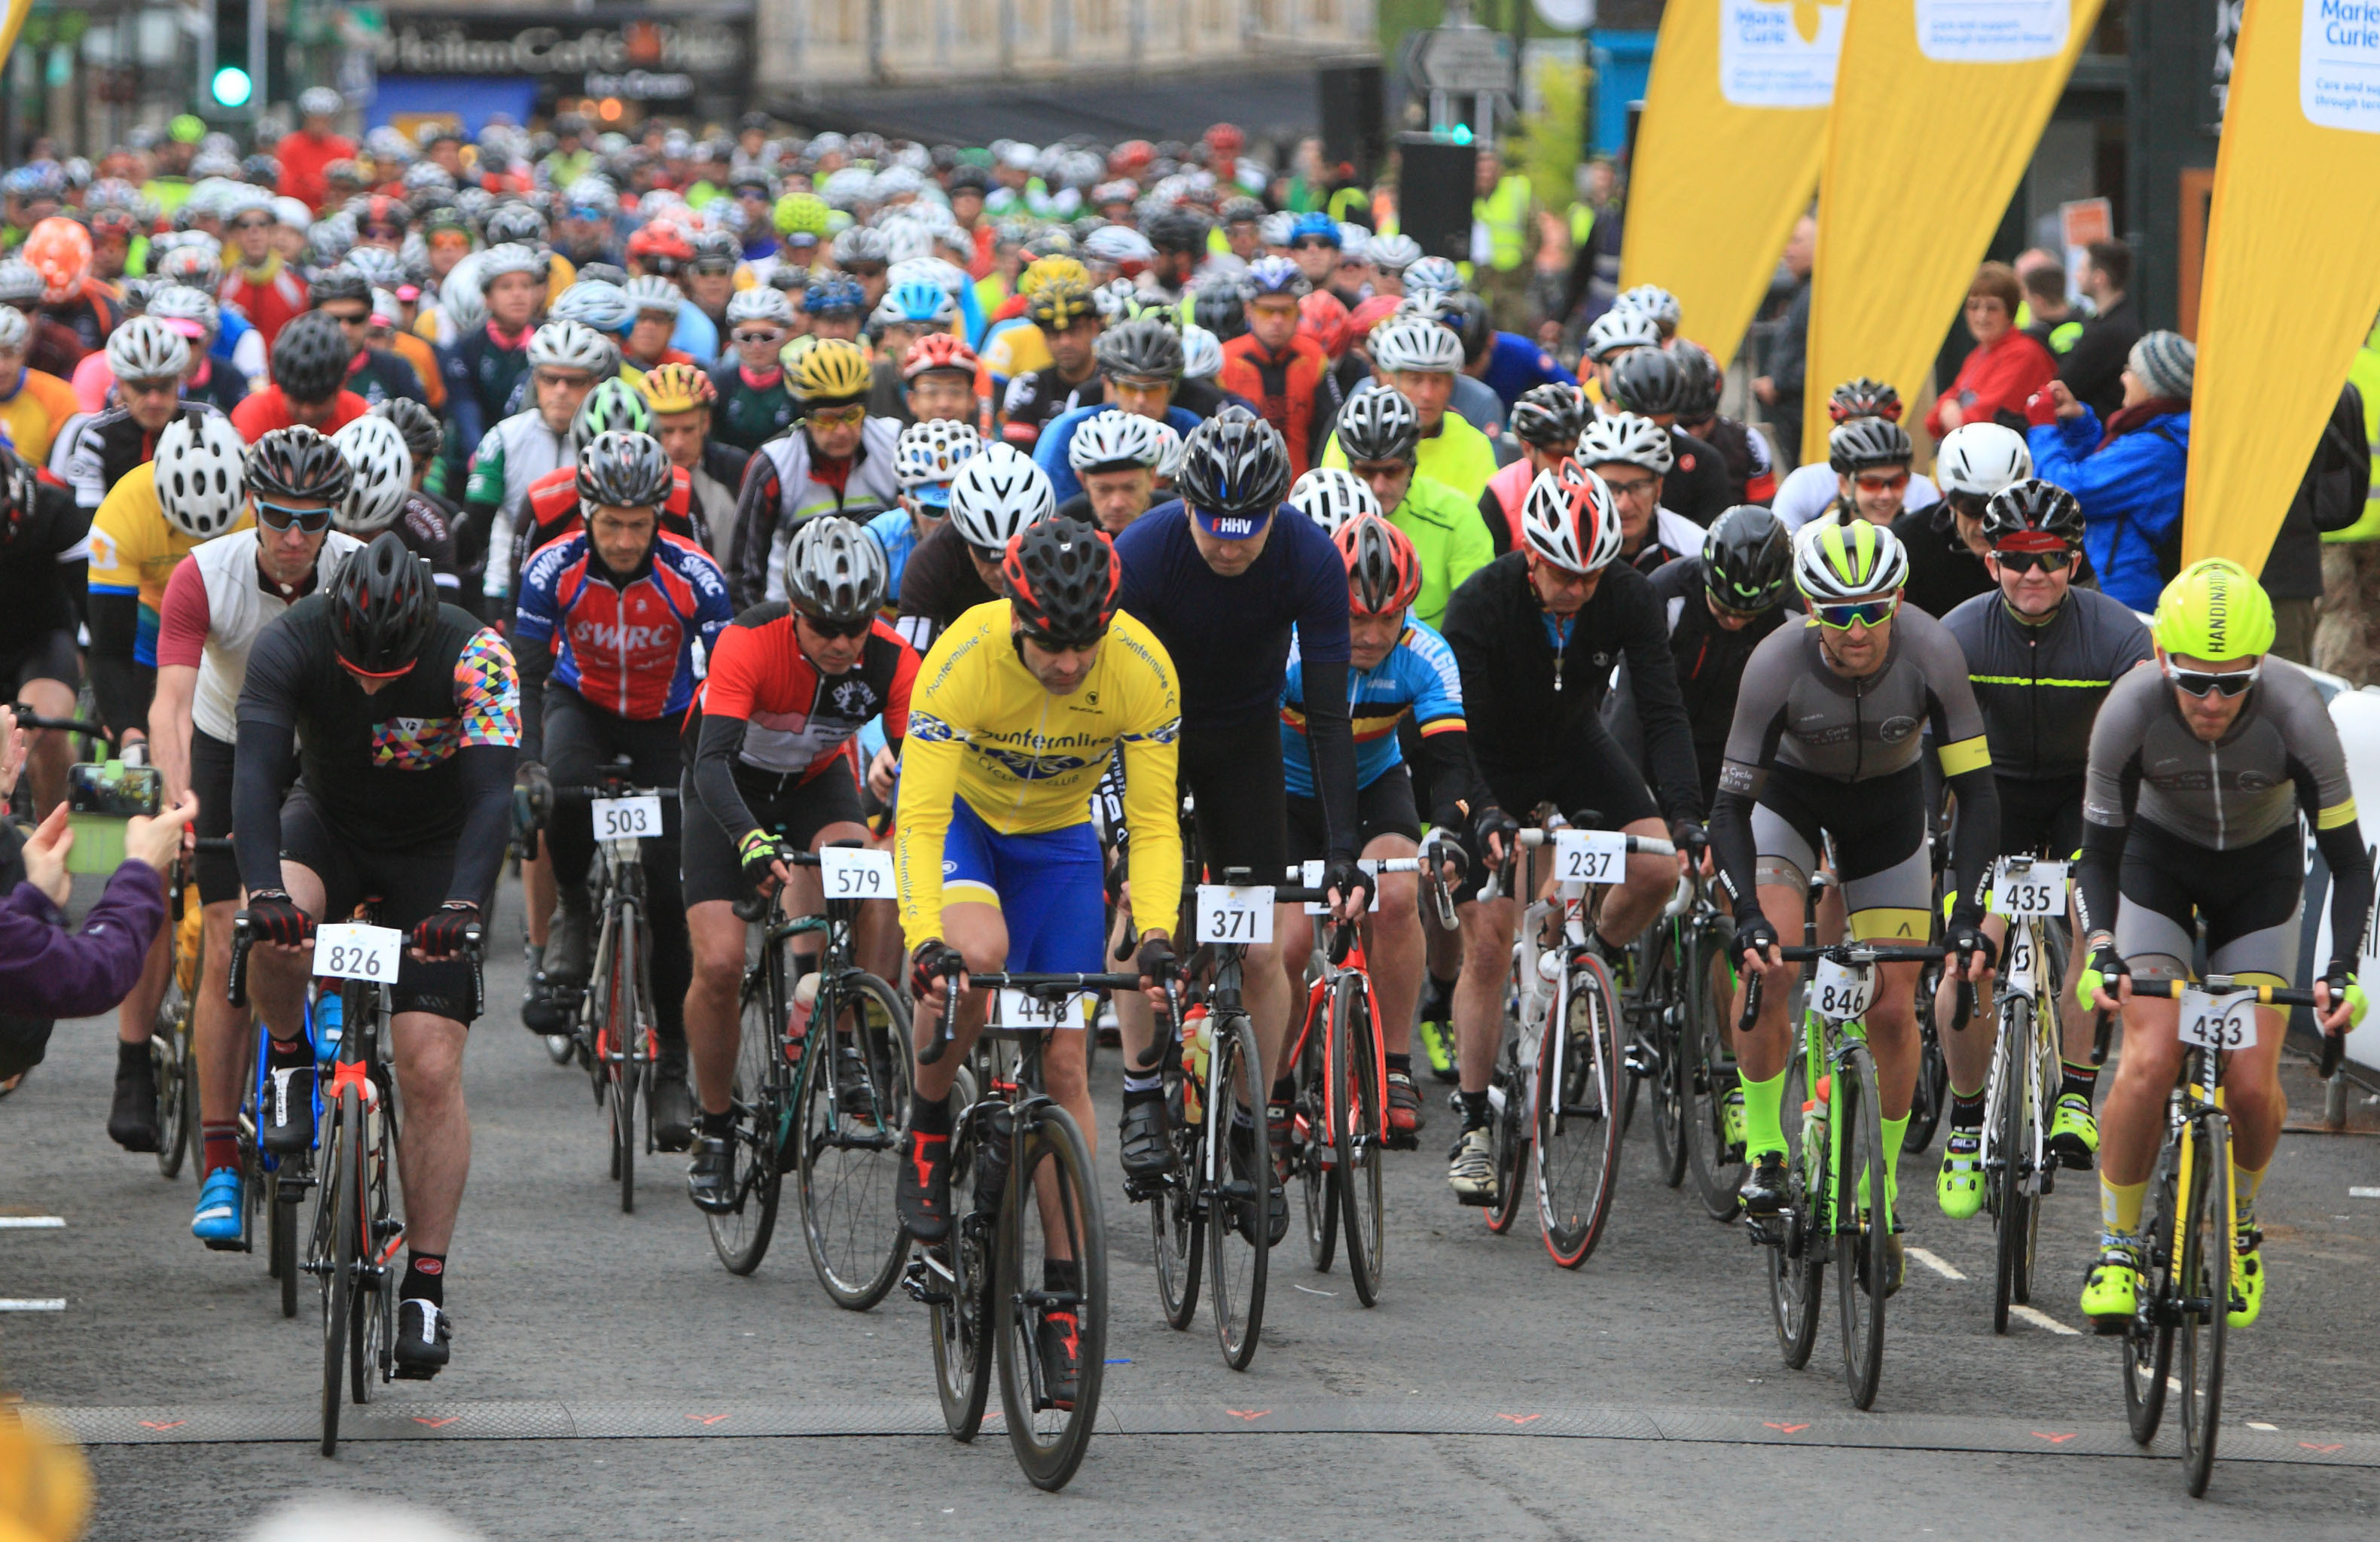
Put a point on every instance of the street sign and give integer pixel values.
(1464, 60)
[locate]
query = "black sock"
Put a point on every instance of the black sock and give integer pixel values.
(1060, 1274)
(130, 1056)
(717, 1126)
(1438, 999)
(287, 1053)
(1285, 1090)
(930, 1117)
(1143, 1088)
(1401, 1062)
(1475, 1110)
(425, 1277)
(2083, 1080)
(1966, 1113)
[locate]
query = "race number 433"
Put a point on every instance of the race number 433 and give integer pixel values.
(1235, 912)
(855, 872)
(1590, 856)
(626, 818)
(2224, 1022)
(349, 951)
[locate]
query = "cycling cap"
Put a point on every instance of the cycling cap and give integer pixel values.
(929, 455)
(1114, 440)
(1061, 577)
(626, 470)
(1570, 520)
(1380, 424)
(1980, 459)
(147, 349)
(1383, 573)
(2215, 611)
(834, 571)
(1621, 327)
(382, 605)
(1416, 343)
(1864, 443)
(1548, 417)
(2033, 515)
(1649, 382)
(1747, 558)
(1628, 440)
(201, 473)
(832, 373)
(571, 345)
(1838, 562)
(1330, 496)
(375, 452)
(673, 387)
(1143, 349)
(998, 492)
(1233, 473)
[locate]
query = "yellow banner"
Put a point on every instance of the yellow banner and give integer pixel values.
(1727, 154)
(1938, 106)
(2292, 197)
(11, 23)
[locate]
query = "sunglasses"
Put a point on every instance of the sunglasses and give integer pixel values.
(385, 232)
(2200, 683)
(1894, 483)
(2025, 561)
(251, 224)
(1313, 244)
(840, 630)
(345, 320)
(769, 335)
(1867, 612)
(149, 388)
(841, 417)
(1636, 487)
(274, 516)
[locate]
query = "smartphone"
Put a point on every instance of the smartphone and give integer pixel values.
(99, 800)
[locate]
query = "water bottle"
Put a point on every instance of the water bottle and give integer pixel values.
(797, 1018)
(1197, 1043)
(329, 1011)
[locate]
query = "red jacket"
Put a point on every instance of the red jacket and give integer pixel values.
(1292, 388)
(1994, 381)
(269, 302)
(303, 158)
(266, 410)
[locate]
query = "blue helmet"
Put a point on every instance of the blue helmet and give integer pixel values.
(1317, 225)
(834, 296)
(915, 303)
(1274, 275)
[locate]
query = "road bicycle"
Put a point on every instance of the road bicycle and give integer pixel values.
(1839, 1196)
(833, 1119)
(1686, 982)
(2021, 1097)
(1023, 1276)
(2187, 1287)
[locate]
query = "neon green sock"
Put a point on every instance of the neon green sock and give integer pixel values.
(2119, 1206)
(1894, 1129)
(2245, 1182)
(1764, 1119)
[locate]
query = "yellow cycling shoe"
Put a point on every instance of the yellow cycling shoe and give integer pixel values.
(2074, 1131)
(1960, 1186)
(2247, 1282)
(2112, 1295)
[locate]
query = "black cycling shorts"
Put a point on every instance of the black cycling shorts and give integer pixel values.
(210, 779)
(1241, 806)
(1603, 782)
(2041, 818)
(52, 656)
(797, 811)
(410, 883)
(2250, 899)
(1881, 858)
(1383, 808)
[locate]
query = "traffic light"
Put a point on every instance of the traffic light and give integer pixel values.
(233, 82)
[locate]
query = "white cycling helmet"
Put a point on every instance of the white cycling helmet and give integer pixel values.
(201, 473)
(505, 257)
(1202, 354)
(1624, 436)
(1840, 561)
(1330, 496)
(1621, 327)
(375, 448)
(1655, 302)
(1111, 441)
(1392, 254)
(1416, 343)
(998, 492)
(1571, 520)
(572, 345)
(1435, 275)
(146, 349)
(761, 303)
(653, 292)
(180, 302)
(466, 308)
(931, 453)
(1982, 458)
(15, 332)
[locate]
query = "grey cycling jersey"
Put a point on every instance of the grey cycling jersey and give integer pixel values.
(2039, 687)
(2282, 753)
(1794, 711)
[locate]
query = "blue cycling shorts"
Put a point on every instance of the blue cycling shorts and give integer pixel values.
(1049, 888)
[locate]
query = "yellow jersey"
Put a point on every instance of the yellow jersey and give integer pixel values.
(135, 549)
(981, 727)
(34, 414)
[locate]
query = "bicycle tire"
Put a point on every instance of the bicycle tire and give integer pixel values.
(1048, 1442)
(2004, 1154)
(1661, 1008)
(849, 1168)
(1361, 1099)
(1863, 1234)
(375, 1322)
(1508, 1126)
(1575, 1152)
(1709, 1073)
(1311, 1151)
(1237, 1219)
(2206, 1301)
(1797, 1261)
(1177, 1216)
(2148, 1340)
(623, 1036)
(1933, 1091)
(740, 1235)
(177, 1096)
(962, 1324)
(339, 1210)
(281, 1239)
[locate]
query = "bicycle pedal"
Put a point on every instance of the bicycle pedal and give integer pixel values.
(925, 1284)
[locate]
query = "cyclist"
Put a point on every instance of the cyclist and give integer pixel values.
(926, 460)
(771, 768)
(485, 366)
(1536, 632)
(1398, 668)
(1613, 336)
(835, 456)
(1869, 458)
(1750, 465)
(1117, 457)
(1415, 356)
(344, 294)
(938, 376)
(149, 360)
(1141, 360)
(36, 405)
(1651, 384)
(1222, 580)
(996, 493)
(310, 372)
(1826, 742)
(433, 520)
(1017, 342)
(215, 605)
(1546, 423)
(39, 662)
(1070, 326)
(566, 360)
(1810, 488)
(72, 295)
(658, 301)
(835, 306)
(609, 618)
(382, 497)
(685, 404)
(54, 348)
(401, 716)
(913, 309)
(756, 400)
(195, 313)
(1379, 431)
(1634, 456)
(1277, 366)
(2199, 769)
(1947, 545)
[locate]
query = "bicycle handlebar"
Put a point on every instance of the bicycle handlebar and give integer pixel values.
(1859, 953)
(243, 938)
(1637, 846)
(2334, 1045)
(1049, 986)
(32, 722)
(567, 797)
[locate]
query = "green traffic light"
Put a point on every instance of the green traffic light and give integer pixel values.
(1461, 131)
(232, 87)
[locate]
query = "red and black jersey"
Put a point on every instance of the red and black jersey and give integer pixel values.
(554, 511)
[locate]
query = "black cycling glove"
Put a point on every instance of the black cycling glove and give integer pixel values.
(1157, 963)
(443, 933)
(1755, 935)
(934, 961)
(274, 917)
(1492, 821)
(1346, 876)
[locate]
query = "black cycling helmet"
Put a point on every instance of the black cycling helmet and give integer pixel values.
(19, 489)
(311, 357)
(346, 282)
(1061, 576)
(1648, 382)
(298, 467)
(626, 470)
(1548, 417)
(1220, 308)
(1864, 443)
(1179, 230)
(382, 605)
(1863, 397)
(424, 436)
(1144, 349)
(1380, 424)
(1467, 314)
(2033, 508)
(1747, 559)
(1233, 464)
(1700, 404)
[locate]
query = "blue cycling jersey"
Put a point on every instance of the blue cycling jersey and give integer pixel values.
(626, 645)
(1516, 365)
(1418, 676)
(1049, 450)
(897, 534)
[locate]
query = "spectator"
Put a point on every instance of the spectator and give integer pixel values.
(2128, 475)
(2004, 368)
(2051, 321)
(305, 154)
(2093, 369)
(1780, 390)
(2330, 499)
(2347, 642)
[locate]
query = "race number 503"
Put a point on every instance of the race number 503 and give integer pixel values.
(626, 818)
(349, 951)
(1590, 856)
(2224, 1022)
(1235, 913)
(855, 872)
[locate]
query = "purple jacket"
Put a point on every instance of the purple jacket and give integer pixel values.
(46, 971)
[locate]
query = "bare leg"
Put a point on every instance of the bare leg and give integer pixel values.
(715, 934)
(434, 1157)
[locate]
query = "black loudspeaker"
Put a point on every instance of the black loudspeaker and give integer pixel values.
(1434, 195)
(1354, 125)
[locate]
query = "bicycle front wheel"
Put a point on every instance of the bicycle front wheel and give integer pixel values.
(1511, 1117)
(170, 1057)
(2008, 1161)
(1660, 1008)
(2205, 1279)
(1578, 1117)
(1312, 1155)
(1707, 1072)
(2148, 1338)
(1177, 1210)
(1361, 1103)
(1863, 1222)
(740, 1235)
(854, 1112)
(962, 1334)
(1239, 1193)
(1049, 1301)
(337, 1251)
(281, 1203)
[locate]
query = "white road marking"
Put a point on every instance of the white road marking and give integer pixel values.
(24, 1304)
(2253, 1424)
(2360, 1192)
(1935, 1262)
(1311, 1291)
(2040, 1319)
(57, 1223)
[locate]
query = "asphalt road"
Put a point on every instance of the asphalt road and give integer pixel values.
(1490, 1394)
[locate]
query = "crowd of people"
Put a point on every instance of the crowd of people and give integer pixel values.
(977, 504)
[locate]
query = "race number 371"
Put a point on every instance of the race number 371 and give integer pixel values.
(855, 872)
(349, 951)
(1235, 912)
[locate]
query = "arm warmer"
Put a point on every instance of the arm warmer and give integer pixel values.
(487, 771)
(533, 657)
(263, 751)
(2095, 877)
(2350, 886)
(121, 685)
(715, 775)
(1977, 840)
(1456, 790)
(1731, 839)
(1330, 737)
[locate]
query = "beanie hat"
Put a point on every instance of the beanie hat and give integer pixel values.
(2165, 363)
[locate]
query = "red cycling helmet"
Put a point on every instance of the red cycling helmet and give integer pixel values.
(937, 351)
(1383, 573)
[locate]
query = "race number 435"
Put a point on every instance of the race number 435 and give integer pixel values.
(2224, 1022)
(855, 872)
(626, 818)
(1590, 856)
(349, 951)
(2034, 889)
(1235, 912)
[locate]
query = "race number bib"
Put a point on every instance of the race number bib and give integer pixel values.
(855, 872)
(2225, 1022)
(1590, 856)
(626, 818)
(1310, 875)
(1840, 993)
(354, 952)
(1235, 913)
(2034, 890)
(1022, 1009)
